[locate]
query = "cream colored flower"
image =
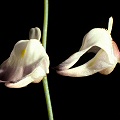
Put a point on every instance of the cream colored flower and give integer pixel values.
(99, 41)
(28, 62)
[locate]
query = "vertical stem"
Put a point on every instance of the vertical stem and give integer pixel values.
(44, 42)
(48, 101)
(45, 24)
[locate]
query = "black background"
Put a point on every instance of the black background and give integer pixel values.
(91, 97)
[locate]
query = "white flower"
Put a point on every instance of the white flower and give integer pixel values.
(99, 41)
(28, 62)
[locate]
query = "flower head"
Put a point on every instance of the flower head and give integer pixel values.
(28, 62)
(99, 41)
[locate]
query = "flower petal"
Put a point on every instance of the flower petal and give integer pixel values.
(15, 74)
(108, 70)
(98, 63)
(101, 38)
(24, 82)
(34, 51)
(116, 51)
(71, 60)
(93, 41)
(36, 76)
(26, 52)
(117, 55)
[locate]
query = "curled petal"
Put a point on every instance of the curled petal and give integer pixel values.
(101, 38)
(93, 41)
(96, 64)
(70, 61)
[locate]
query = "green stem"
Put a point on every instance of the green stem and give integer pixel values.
(45, 24)
(44, 42)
